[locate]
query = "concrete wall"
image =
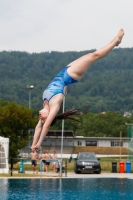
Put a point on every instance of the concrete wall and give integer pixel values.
(102, 143)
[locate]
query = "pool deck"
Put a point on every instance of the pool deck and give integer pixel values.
(73, 175)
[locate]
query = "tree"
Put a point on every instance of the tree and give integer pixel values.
(15, 121)
(100, 125)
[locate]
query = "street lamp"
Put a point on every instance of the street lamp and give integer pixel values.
(30, 87)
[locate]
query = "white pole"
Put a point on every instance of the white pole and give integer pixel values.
(29, 98)
(30, 87)
(62, 139)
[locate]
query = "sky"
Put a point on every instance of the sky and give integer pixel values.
(38, 26)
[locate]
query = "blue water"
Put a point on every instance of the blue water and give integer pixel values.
(66, 189)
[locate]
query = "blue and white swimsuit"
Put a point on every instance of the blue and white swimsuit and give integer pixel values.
(57, 85)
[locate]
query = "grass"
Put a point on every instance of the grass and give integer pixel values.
(106, 165)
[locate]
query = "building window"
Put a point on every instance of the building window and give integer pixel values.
(116, 143)
(91, 143)
(79, 143)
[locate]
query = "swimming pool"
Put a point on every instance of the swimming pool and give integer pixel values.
(63, 189)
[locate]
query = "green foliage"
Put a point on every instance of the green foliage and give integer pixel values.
(91, 124)
(15, 121)
(103, 125)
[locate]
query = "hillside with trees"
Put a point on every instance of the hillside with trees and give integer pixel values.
(106, 86)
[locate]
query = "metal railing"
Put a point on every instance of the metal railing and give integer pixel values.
(22, 165)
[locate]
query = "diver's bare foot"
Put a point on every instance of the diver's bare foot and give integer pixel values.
(119, 36)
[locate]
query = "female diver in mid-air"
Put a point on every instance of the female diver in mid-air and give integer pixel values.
(53, 95)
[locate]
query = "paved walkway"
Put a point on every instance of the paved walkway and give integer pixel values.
(73, 175)
(102, 175)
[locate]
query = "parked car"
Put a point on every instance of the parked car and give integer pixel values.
(87, 162)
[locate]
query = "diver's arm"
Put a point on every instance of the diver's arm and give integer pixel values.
(37, 133)
(53, 111)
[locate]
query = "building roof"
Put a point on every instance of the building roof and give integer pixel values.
(58, 133)
(3, 139)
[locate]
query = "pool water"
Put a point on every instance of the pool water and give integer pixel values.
(66, 188)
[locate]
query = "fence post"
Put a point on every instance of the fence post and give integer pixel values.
(11, 165)
(65, 168)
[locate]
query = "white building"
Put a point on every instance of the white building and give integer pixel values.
(4, 153)
(54, 138)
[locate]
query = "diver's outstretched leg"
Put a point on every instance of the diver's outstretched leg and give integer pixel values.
(78, 67)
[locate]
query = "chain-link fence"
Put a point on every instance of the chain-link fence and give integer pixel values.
(130, 142)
